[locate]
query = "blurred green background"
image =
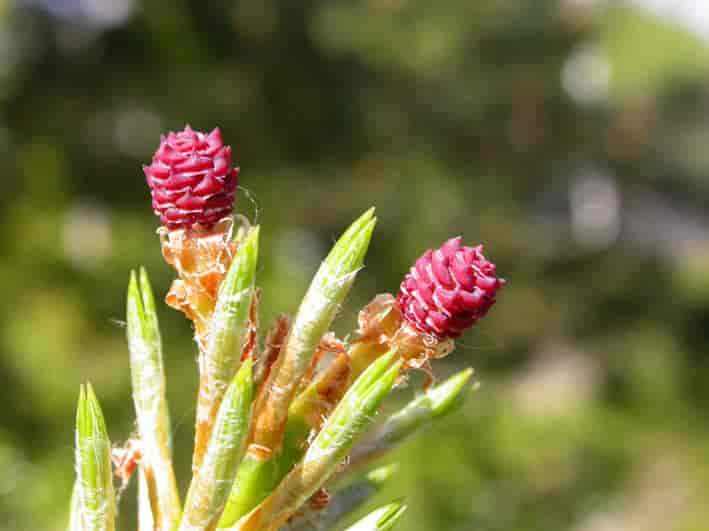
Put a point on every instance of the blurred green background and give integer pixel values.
(572, 137)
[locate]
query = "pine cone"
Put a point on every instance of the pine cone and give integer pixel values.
(448, 290)
(191, 179)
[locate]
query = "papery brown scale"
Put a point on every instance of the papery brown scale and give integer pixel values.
(329, 344)
(275, 339)
(250, 348)
(320, 500)
(382, 327)
(201, 258)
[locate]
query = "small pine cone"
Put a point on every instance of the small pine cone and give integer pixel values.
(191, 179)
(448, 290)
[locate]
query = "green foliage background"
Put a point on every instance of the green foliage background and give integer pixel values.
(571, 137)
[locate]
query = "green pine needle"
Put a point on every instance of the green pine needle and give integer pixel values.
(210, 488)
(351, 418)
(344, 502)
(433, 404)
(148, 381)
(93, 465)
(331, 284)
(382, 519)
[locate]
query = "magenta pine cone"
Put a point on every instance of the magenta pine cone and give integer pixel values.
(191, 179)
(448, 290)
